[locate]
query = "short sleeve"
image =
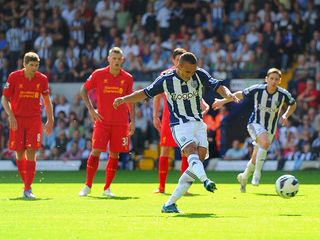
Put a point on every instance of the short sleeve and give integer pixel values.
(155, 88)
(288, 98)
(248, 92)
(207, 80)
(91, 82)
(8, 87)
(45, 88)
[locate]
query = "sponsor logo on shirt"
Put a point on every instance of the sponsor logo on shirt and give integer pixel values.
(28, 94)
(108, 89)
(184, 96)
(267, 109)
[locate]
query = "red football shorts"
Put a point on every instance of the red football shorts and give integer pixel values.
(28, 134)
(116, 137)
(166, 138)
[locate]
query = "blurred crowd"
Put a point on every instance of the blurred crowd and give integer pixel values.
(232, 39)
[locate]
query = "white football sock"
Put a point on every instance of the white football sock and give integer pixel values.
(261, 156)
(185, 182)
(249, 170)
(196, 167)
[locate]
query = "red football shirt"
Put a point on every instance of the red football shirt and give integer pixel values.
(109, 87)
(24, 94)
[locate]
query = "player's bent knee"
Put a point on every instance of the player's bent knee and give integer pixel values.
(190, 149)
(265, 145)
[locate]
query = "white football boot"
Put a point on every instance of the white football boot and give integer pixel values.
(84, 191)
(256, 179)
(243, 182)
(108, 193)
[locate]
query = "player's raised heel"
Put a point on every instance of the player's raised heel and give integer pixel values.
(29, 195)
(108, 193)
(172, 208)
(243, 182)
(209, 185)
(84, 191)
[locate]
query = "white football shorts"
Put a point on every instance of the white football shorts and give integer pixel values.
(255, 130)
(189, 132)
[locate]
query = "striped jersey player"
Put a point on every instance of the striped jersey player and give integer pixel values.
(183, 88)
(268, 101)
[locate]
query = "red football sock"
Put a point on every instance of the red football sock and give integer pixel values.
(163, 169)
(30, 173)
(92, 166)
(111, 170)
(21, 165)
(184, 164)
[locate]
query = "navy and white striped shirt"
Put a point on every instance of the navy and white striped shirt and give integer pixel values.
(267, 106)
(183, 98)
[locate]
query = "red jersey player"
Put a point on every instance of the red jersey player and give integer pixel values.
(21, 101)
(166, 139)
(111, 126)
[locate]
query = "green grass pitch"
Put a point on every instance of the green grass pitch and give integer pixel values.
(59, 213)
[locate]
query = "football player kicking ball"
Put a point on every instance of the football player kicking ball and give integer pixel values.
(183, 89)
(268, 99)
(111, 127)
(163, 126)
(21, 101)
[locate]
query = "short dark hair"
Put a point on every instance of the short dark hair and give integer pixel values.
(30, 57)
(188, 57)
(177, 52)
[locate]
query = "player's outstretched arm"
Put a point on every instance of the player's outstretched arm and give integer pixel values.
(49, 110)
(225, 92)
(287, 114)
(218, 103)
(136, 96)
(11, 118)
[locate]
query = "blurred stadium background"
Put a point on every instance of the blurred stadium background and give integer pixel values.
(236, 41)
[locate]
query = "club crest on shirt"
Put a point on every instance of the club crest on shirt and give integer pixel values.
(122, 82)
(7, 85)
(105, 80)
(38, 85)
(20, 85)
(194, 84)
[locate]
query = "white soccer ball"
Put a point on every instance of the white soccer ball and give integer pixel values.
(287, 186)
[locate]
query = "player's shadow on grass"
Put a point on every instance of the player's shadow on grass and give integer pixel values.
(266, 194)
(24, 199)
(290, 215)
(188, 195)
(112, 198)
(197, 215)
(272, 194)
